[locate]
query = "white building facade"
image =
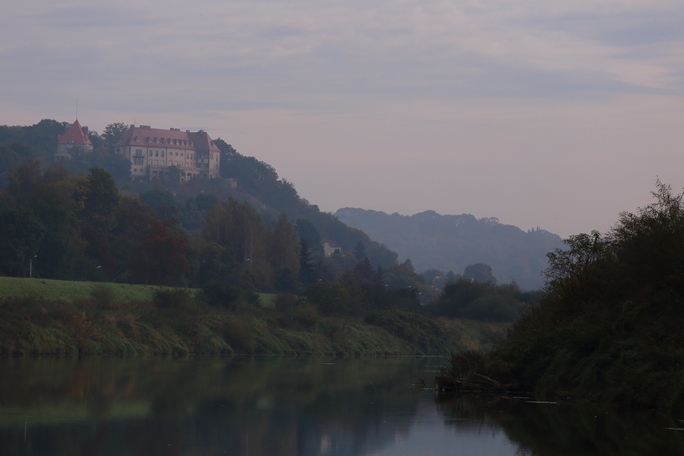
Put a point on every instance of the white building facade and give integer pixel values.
(153, 152)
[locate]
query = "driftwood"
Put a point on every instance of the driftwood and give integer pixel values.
(475, 382)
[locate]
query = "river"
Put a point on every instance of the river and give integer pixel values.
(253, 406)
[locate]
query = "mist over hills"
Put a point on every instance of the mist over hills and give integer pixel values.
(430, 240)
(451, 242)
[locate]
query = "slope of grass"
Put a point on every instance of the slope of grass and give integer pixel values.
(40, 316)
(71, 291)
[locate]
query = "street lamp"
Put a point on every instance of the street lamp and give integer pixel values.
(31, 265)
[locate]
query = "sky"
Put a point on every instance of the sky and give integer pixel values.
(557, 115)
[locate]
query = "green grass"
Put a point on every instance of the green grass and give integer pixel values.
(71, 291)
(39, 316)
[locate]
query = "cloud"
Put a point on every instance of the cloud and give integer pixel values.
(502, 92)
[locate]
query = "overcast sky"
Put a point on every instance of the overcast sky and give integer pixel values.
(552, 114)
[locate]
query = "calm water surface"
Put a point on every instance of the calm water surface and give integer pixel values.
(291, 406)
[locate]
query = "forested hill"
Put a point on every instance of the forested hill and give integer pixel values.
(451, 242)
(258, 185)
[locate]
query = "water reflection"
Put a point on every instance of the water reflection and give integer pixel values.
(284, 406)
(204, 405)
(568, 429)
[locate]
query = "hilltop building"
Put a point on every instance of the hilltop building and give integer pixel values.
(153, 152)
(76, 136)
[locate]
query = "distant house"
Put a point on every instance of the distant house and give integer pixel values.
(76, 136)
(154, 153)
(329, 249)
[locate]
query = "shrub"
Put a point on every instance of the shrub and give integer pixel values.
(285, 301)
(420, 331)
(103, 295)
(173, 299)
(303, 316)
(220, 294)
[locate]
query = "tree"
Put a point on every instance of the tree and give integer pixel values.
(113, 133)
(21, 233)
(23, 179)
(161, 258)
(163, 202)
(283, 247)
(480, 272)
(101, 199)
(307, 231)
(307, 267)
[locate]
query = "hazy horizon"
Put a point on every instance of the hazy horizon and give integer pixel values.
(553, 115)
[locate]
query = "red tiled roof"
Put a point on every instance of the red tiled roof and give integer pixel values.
(74, 135)
(172, 138)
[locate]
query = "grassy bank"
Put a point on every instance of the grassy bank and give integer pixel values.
(49, 317)
(71, 291)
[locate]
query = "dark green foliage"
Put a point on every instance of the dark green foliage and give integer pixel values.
(175, 299)
(285, 301)
(299, 317)
(239, 336)
(308, 233)
(467, 298)
(113, 133)
(285, 280)
(103, 295)
(160, 259)
(40, 138)
(329, 298)
(308, 273)
(417, 329)
(220, 294)
(163, 203)
(608, 327)
(463, 365)
(479, 272)
(21, 234)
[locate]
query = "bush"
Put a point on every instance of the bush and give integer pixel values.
(329, 298)
(174, 299)
(607, 327)
(286, 301)
(303, 316)
(220, 294)
(420, 331)
(103, 295)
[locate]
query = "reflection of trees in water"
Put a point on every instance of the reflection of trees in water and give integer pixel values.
(567, 429)
(250, 406)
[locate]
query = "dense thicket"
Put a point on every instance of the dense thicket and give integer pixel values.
(472, 299)
(609, 325)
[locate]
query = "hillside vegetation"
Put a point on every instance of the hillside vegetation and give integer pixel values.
(452, 242)
(609, 325)
(174, 321)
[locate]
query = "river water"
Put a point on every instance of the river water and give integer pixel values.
(292, 406)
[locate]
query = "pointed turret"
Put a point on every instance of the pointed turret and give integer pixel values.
(75, 136)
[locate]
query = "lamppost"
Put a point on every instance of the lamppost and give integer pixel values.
(31, 265)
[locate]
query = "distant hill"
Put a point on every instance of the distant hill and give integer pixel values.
(451, 242)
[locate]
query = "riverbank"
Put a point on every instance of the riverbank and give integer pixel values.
(174, 321)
